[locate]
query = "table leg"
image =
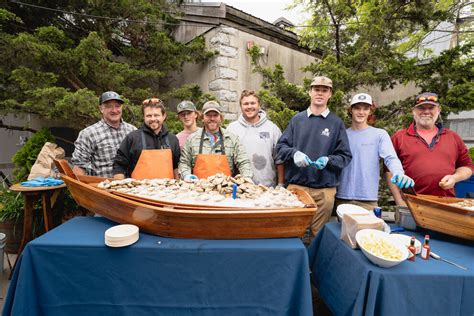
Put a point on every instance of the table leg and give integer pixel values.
(46, 203)
(30, 200)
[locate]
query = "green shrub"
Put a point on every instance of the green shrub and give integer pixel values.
(471, 153)
(25, 158)
(11, 206)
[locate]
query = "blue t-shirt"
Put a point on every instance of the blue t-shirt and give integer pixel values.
(360, 179)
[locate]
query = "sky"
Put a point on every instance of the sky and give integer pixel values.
(268, 10)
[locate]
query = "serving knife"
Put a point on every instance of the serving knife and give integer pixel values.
(438, 257)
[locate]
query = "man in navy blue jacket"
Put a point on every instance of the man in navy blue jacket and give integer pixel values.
(315, 149)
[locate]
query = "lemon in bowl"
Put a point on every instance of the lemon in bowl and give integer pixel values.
(380, 249)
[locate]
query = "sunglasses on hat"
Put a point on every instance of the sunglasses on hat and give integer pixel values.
(152, 101)
(433, 98)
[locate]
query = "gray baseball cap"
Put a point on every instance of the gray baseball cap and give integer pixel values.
(110, 95)
(186, 106)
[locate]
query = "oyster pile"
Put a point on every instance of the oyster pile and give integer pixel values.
(467, 204)
(215, 190)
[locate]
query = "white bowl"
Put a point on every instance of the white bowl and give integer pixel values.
(383, 237)
(350, 209)
(404, 239)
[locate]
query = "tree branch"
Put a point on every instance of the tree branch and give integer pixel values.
(32, 130)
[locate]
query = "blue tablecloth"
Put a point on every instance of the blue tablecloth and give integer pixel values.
(69, 271)
(351, 285)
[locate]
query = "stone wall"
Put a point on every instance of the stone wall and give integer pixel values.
(230, 71)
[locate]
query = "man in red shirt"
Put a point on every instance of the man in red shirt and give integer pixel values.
(434, 156)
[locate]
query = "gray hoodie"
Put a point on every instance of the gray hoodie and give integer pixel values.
(259, 140)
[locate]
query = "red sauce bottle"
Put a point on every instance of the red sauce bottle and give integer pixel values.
(412, 249)
(425, 251)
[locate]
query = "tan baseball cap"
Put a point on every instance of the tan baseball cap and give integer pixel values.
(321, 81)
(211, 106)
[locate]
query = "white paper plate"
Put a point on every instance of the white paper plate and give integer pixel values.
(404, 239)
(121, 235)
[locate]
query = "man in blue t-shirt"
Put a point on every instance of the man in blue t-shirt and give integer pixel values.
(360, 179)
(315, 149)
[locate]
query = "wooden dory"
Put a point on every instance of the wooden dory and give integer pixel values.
(436, 213)
(193, 223)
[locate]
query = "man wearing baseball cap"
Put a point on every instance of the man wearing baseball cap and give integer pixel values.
(212, 149)
(96, 145)
(360, 179)
(188, 115)
(434, 156)
(315, 149)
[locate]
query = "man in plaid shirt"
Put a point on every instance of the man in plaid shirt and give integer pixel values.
(96, 145)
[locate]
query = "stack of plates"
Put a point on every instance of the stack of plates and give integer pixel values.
(121, 235)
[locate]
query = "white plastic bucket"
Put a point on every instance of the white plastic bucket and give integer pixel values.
(3, 239)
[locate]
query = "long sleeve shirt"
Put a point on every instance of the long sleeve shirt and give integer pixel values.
(360, 179)
(235, 152)
(315, 136)
(96, 147)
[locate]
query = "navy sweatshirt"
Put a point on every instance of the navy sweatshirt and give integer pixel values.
(315, 136)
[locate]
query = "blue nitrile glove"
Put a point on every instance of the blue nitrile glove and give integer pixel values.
(321, 162)
(301, 160)
(403, 181)
(190, 178)
(42, 182)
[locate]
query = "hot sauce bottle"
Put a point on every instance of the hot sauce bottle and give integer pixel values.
(425, 251)
(412, 249)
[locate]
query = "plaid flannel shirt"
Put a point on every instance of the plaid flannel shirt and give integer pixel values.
(96, 147)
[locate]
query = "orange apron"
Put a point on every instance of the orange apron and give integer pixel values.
(207, 165)
(154, 163)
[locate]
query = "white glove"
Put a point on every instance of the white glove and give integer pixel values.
(190, 178)
(279, 186)
(301, 159)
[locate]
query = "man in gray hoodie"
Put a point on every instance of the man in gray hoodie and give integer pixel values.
(259, 136)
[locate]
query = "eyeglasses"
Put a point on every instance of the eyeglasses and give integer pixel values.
(152, 101)
(433, 98)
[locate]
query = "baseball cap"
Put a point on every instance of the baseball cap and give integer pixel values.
(110, 95)
(211, 106)
(361, 98)
(427, 98)
(321, 81)
(185, 106)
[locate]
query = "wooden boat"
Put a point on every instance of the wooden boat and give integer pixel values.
(198, 222)
(436, 213)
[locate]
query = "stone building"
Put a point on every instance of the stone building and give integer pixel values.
(231, 32)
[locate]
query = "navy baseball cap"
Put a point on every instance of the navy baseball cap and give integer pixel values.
(110, 95)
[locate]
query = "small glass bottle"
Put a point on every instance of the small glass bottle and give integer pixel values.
(412, 249)
(425, 251)
(378, 212)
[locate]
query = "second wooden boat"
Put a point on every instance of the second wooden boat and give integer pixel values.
(438, 214)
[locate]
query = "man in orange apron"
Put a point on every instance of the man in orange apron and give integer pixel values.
(212, 149)
(151, 151)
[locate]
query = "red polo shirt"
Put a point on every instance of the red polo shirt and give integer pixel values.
(427, 163)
